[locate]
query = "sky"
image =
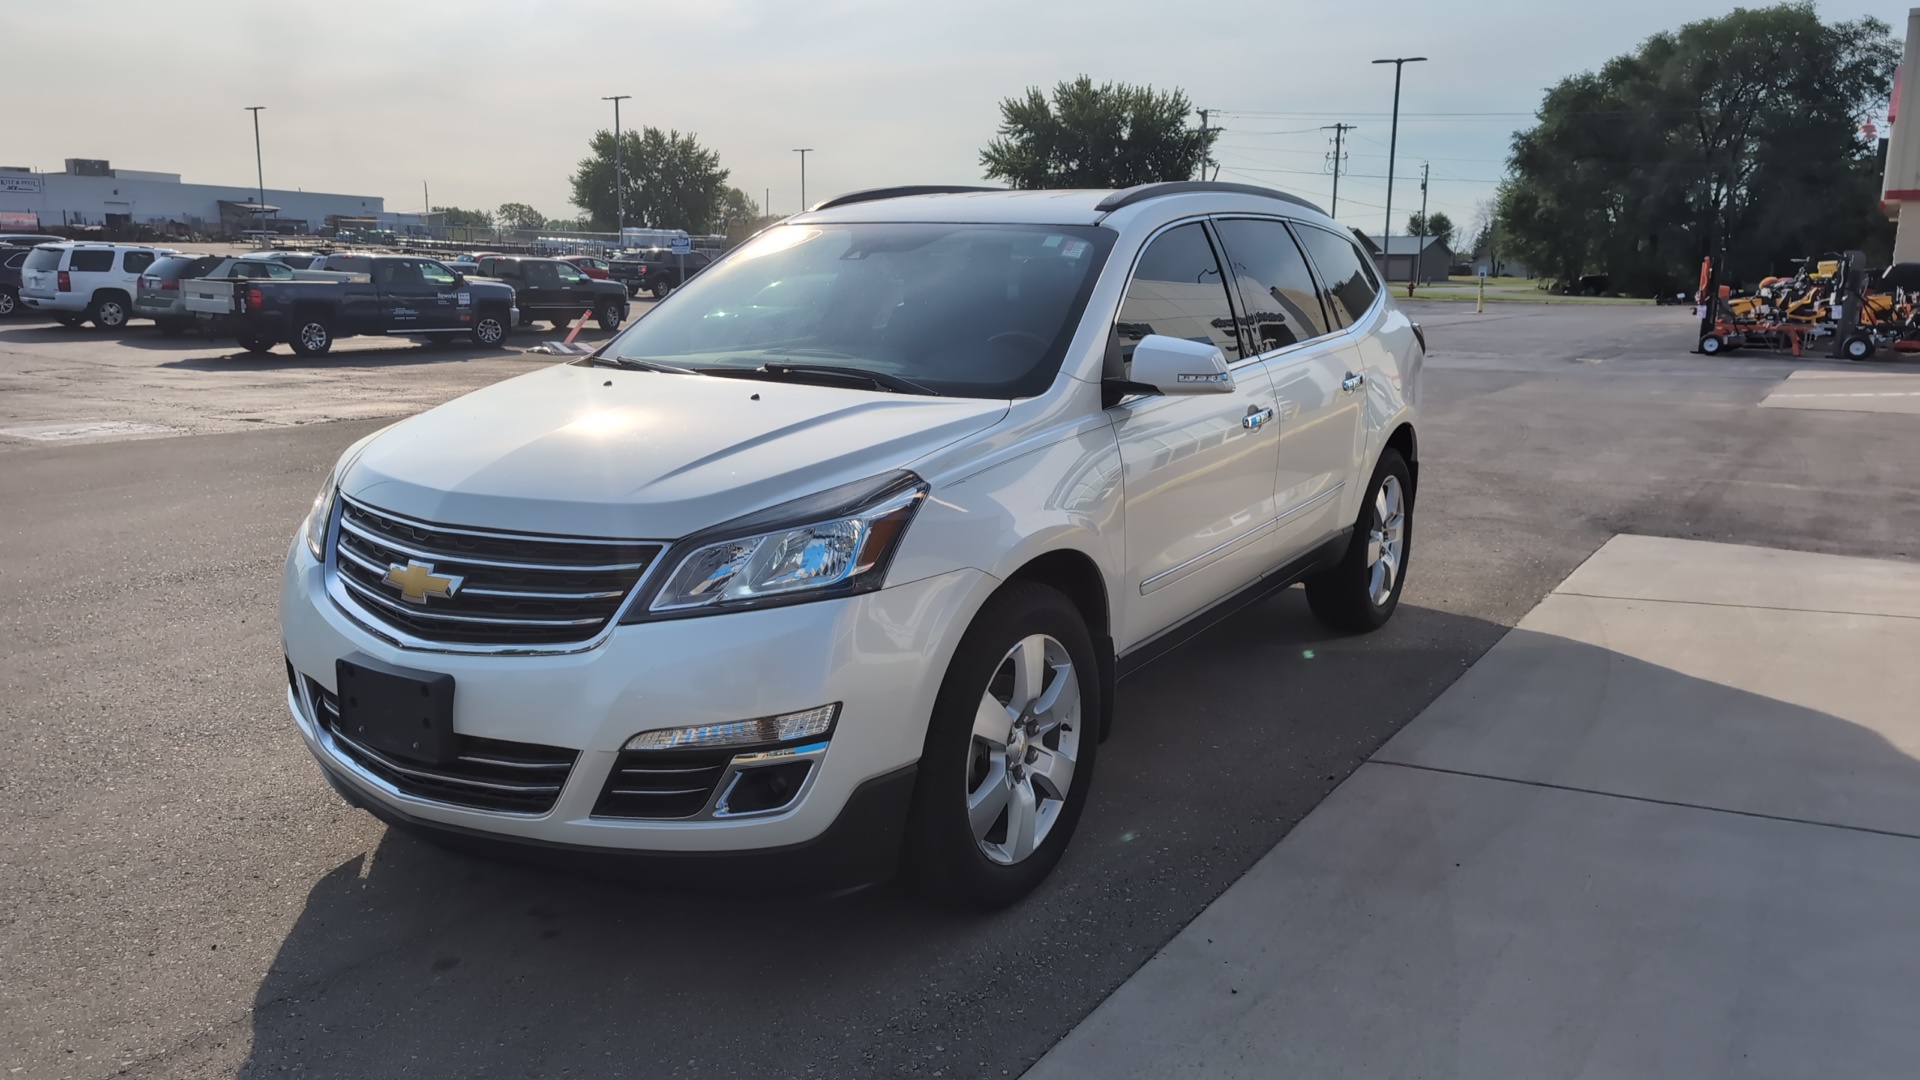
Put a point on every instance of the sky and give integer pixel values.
(492, 101)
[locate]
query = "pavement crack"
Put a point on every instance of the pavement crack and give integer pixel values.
(1645, 799)
(1723, 604)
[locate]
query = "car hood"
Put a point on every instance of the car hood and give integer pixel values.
(594, 451)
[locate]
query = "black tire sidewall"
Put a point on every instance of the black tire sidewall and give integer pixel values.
(610, 315)
(942, 857)
(1340, 596)
(299, 337)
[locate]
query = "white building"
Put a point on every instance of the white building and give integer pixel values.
(92, 193)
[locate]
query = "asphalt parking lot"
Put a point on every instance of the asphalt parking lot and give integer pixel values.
(181, 895)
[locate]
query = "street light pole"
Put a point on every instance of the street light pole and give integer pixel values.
(803, 151)
(259, 171)
(619, 172)
(1393, 143)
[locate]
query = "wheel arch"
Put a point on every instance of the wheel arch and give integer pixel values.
(1404, 440)
(1075, 575)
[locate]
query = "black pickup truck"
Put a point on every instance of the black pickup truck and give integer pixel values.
(656, 270)
(398, 295)
(556, 290)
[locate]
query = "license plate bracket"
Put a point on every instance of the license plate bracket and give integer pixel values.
(398, 711)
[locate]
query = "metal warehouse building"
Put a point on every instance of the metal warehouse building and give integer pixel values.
(90, 192)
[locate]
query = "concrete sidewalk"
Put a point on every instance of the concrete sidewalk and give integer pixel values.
(1668, 827)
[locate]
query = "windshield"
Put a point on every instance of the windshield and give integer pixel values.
(965, 310)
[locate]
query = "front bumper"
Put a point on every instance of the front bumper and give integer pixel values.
(66, 303)
(881, 655)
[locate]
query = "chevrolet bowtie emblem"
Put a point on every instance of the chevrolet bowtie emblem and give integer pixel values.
(417, 581)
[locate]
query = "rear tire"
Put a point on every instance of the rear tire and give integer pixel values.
(661, 289)
(1009, 754)
(171, 328)
(1858, 348)
(311, 336)
(1711, 345)
(254, 345)
(108, 312)
(1360, 593)
(69, 320)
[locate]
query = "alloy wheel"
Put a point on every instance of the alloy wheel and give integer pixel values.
(313, 336)
(110, 314)
(1026, 742)
(489, 331)
(7, 302)
(1386, 539)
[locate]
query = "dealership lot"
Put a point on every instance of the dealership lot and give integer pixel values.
(185, 897)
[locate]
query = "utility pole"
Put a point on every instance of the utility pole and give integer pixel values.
(803, 151)
(1204, 144)
(619, 172)
(1339, 138)
(766, 201)
(259, 172)
(1393, 145)
(1420, 245)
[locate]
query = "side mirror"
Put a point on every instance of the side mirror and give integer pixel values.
(459, 278)
(1170, 365)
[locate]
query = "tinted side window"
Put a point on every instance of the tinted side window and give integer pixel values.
(1279, 305)
(136, 261)
(542, 274)
(91, 261)
(280, 271)
(1349, 281)
(1177, 290)
(14, 260)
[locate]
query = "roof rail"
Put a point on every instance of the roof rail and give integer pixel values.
(1143, 192)
(875, 194)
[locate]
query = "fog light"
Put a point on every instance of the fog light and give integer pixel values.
(812, 723)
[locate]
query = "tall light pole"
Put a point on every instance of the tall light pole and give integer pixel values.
(619, 173)
(803, 151)
(1393, 143)
(259, 171)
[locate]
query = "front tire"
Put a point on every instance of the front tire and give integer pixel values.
(1009, 754)
(1858, 348)
(611, 315)
(9, 303)
(490, 329)
(1360, 593)
(311, 336)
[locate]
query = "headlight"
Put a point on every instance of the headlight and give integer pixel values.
(319, 518)
(833, 544)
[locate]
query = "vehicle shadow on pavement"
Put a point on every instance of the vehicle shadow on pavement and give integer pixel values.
(412, 958)
(455, 965)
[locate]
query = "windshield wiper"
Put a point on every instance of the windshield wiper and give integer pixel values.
(637, 364)
(879, 380)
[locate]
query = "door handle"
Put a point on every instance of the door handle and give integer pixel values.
(1353, 382)
(1256, 417)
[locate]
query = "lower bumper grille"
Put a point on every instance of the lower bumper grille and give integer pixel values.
(661, 784)
(489, 774)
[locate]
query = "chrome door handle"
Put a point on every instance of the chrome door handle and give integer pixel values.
(1256, 417)
(1353, 382)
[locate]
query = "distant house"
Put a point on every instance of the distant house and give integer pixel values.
(1397, 261)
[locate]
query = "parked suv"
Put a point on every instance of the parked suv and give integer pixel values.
(11, 260)
(832, 560)
(157, 293)
(77, 282)
(656, 270)
(556, 290)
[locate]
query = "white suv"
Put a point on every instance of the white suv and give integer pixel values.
(78, 282)
(833, 559)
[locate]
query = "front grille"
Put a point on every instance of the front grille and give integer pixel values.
(488, 774)
(514, 588)
(661, 783)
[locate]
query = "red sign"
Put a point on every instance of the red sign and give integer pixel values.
(12, 220)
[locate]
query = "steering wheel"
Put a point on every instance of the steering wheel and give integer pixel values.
(1005, 334)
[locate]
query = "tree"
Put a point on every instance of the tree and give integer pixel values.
(1108, 136)
(1737, 133)
(1437, 225)
(672, 182)
(468, 219)
(516, 215)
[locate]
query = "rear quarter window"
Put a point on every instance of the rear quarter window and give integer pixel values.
(15, 260)
(44, 259)
(91, 261)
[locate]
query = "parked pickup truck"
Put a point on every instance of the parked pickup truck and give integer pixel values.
(399, 295)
